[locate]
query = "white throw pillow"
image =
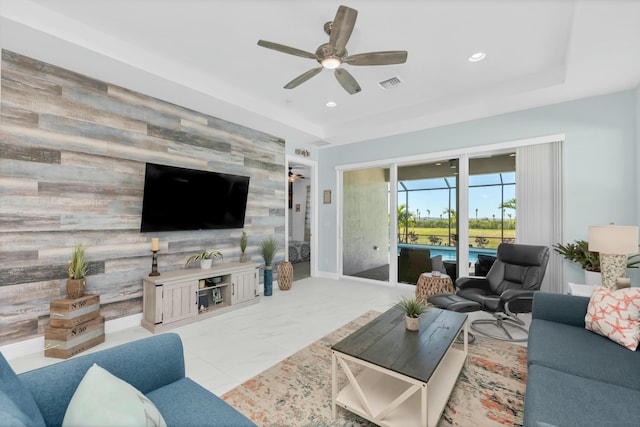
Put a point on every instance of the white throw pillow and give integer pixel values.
(615, 314)
(103, 399)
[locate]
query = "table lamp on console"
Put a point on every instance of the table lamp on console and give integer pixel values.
(613, 242)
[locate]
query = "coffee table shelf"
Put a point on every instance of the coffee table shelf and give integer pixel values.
(388, 396)
(381, 389)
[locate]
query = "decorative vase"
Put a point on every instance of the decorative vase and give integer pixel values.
(285, 275)
(244, 257)
(412, 323)
(76, 287)
(206, 263)
(268, 280)
(592, 278)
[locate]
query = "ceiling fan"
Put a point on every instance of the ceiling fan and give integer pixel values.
(293, 176)
(331, 55)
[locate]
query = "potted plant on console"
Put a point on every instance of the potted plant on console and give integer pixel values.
(268, 248)
(78, 267)
(243, 247)
(413, 308)
(205, 258)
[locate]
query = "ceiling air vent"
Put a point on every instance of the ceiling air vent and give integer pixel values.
(390, 83)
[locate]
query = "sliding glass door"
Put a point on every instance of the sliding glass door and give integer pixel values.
(427, 220)
(492, 208)
(457, 210)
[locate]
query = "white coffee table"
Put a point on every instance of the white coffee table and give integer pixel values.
(405, 378)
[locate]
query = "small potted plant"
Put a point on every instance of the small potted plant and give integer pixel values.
(413, 308)
(243, 247)
(268, 249)
(205, 258)
(78, 267)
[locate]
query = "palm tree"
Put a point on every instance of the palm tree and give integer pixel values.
(405, 220)
(509, 204)
(451, 213)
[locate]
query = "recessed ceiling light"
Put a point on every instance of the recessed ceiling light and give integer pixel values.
(331, 104)
(478, 56)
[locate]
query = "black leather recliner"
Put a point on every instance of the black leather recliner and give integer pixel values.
(506, 291)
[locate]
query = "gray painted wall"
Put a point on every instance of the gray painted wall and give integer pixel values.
(366, 226)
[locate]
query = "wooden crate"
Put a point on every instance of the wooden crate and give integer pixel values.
(67, 313)
(66, 342)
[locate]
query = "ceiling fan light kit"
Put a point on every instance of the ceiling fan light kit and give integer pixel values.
(333, 54)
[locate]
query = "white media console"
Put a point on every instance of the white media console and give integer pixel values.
(175, 298)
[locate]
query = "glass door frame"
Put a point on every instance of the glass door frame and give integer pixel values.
(463, 156)
(462, 216)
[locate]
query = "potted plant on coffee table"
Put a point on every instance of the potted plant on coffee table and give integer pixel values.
(205, 258)
(78, 267)
(413, 308)
(268, 249)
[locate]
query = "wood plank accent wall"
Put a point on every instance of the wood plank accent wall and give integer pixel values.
(72, 162)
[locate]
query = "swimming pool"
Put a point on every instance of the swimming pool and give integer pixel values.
(449, 252)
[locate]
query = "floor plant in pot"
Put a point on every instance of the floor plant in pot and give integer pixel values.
(413, 308)
(268, 249)
(78, 267)
(205, 258)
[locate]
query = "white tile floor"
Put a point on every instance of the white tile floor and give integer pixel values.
(223, 351)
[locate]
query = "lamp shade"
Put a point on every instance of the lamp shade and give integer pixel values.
(613, 239)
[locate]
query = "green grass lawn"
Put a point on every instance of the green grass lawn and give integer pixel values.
(493, 236)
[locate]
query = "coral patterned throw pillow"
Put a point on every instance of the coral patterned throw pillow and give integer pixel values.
(615, 314)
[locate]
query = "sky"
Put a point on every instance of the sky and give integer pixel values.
(486, 199)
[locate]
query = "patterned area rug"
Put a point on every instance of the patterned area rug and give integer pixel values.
(297, 391)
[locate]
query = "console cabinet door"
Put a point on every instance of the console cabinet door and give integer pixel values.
(244, 286)
(179, 301)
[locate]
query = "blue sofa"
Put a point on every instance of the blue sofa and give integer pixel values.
(153, 365)
(576, 377)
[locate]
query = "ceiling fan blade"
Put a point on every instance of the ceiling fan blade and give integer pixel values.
(286, 49)
(347, 81)
(302, 78)
(377, 58)
(342, 27)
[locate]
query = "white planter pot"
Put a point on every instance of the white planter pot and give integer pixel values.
(205, 263)
(412, 323)
(592, 278)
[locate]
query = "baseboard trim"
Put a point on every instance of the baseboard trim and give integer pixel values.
(36, 345)
(328, 275)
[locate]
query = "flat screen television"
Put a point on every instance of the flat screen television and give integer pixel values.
(179, 199)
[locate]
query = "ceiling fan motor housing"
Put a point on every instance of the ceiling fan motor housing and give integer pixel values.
(326, 50)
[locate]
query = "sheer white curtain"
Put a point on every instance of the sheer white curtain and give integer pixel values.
(539, 204)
